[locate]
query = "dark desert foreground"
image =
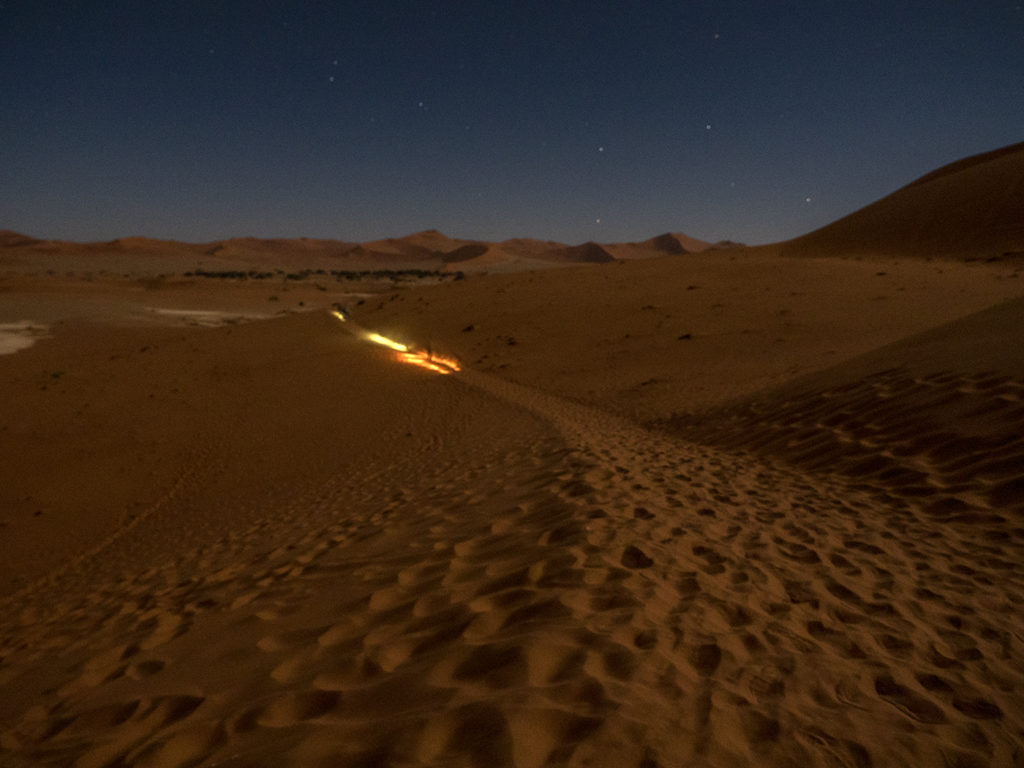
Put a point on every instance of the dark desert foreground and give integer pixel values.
(742, 507)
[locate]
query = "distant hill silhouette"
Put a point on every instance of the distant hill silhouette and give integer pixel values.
(11, 239)
(667, 243)
(465, 253)
(587, 253)
(427, 249)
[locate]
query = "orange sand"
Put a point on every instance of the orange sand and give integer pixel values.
(735, 508)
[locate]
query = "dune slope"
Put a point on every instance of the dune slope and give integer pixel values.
(649, 338)
(931, 424)
(972, 208)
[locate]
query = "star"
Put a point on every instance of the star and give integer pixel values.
(600, 149)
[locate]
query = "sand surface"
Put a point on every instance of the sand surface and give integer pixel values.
(717, 509)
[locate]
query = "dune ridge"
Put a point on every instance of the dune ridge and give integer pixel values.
(972, 208)
(430, 249)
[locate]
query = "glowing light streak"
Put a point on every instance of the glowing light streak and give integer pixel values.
(430, 361)
(448, 362)
(420, 358)
(384, 341)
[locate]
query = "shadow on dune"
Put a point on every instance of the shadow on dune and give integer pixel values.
(934, 423)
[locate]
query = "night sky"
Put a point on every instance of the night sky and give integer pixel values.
(571, 121)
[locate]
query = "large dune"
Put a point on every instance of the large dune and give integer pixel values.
(726, 508)
(973, 208)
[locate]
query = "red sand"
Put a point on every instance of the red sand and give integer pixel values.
(732, 508)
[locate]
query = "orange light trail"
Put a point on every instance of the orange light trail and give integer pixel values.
(431, 362)
(422, 359)
(447, 362)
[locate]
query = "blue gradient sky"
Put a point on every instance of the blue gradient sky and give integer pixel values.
(753, 121)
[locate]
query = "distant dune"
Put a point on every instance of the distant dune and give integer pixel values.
(10, 239)
(465, 253)
(587, 253)
(972, 208)
(660, 245)
(430, 249)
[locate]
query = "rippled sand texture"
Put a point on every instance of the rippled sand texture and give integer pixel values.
(721, 509)
(531, 582)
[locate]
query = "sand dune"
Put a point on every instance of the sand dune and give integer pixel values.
(587, 253)
(643, 338)
(932, 424)
(422, 250)
(973, 208)
(12, 239)
(667, 243)
(728, 508)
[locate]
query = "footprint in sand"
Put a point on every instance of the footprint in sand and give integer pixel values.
(635, 558)
(705, 658)
(909, 703)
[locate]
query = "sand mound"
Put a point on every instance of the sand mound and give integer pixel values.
(668, 243)
(11, 239)
(931, 424)
(465, 253)
(973, 208)
(587, 253)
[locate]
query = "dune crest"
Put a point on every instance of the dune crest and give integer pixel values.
(970, 209)
(430, 249)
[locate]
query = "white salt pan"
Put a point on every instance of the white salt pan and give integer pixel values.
(209, 318)
(19, 335)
